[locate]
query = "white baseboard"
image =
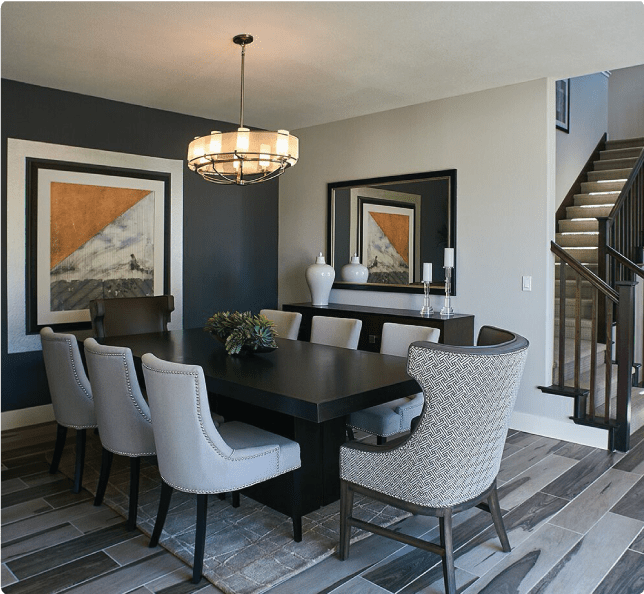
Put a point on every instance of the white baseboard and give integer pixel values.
(566, 430)
(13, 419)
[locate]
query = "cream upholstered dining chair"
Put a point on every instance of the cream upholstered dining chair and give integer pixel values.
(71, 396)
(451, 459)
(385, 420)
(287, 323)
(197, 457)
(122, 413)
(130, 315)
(338, 332)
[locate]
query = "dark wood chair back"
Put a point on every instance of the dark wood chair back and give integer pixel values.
(130, 315)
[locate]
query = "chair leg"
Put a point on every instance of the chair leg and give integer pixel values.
(296, 504)
(164, 505)
(200, 537)
(235, 495)
(81, 435)
(135, 466)
(346, 508)
(350, 433)
(381, 440)
(495, 510)
(445, 527)
(106, 466)
(221, 496)
(61, 435)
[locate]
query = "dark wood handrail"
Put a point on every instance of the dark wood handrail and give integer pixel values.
(586, 274)
(627, 186)
(624, 261)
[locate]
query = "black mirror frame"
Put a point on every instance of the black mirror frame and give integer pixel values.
(436, 288)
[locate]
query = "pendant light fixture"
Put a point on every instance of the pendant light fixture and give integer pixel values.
(244, 156)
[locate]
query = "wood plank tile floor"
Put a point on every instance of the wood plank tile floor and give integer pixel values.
(574, 516)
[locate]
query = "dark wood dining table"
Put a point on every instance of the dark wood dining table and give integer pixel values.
(301, 390)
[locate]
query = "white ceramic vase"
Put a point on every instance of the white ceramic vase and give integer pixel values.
(320, 277)
(354, 272)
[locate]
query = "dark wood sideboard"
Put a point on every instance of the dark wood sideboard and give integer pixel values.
(455, 329)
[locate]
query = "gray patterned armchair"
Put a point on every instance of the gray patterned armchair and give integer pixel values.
(450, 460)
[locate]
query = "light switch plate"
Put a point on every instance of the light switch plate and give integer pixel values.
(526, 283)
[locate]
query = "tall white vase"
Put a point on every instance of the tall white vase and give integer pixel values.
(320, 277)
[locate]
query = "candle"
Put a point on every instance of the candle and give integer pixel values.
(427, 272)
(449, 258)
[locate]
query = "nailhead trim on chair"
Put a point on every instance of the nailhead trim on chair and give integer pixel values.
(75, 371)
(129, 384)
(212, 445)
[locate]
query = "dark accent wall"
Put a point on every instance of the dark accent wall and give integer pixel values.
(230, 232)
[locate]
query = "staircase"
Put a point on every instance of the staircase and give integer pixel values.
(578, 234)
(599, 240)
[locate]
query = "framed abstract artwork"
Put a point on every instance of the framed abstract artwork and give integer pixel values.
(86, 223)
(96, 236)
(387, 241)
(562, 93)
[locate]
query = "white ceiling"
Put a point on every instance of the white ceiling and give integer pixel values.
(311, 62)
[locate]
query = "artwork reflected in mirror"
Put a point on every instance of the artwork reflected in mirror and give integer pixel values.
(394, 225)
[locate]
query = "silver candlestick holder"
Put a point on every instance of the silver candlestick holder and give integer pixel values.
(427, 309)
(447, 308)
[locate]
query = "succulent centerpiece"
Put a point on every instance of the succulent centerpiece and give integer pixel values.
(243, 333)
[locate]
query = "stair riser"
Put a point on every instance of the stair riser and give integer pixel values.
(586, 308)
(623, 153)
(570, 275)
(595, 199)
(581, 225)
(626, 163)
(614, 174)
(571, 290)
(577, 212)
(626, 143)
(577, 240)
(594, 186)
(586, 333)
(584, 255)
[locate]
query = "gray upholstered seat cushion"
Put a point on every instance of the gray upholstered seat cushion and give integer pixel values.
(240, 435)
(389, 418)
(194, 454)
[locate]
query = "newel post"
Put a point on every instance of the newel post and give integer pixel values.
(625, 342)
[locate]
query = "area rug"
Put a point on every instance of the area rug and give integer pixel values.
(249, 549)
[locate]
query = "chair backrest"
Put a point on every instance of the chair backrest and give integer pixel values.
(338, 332)
(396, 338)
(469, 396)
(489, 335)
(190, 450)
(130, 315)
(70, 390)
(122, 413)
(287, 323)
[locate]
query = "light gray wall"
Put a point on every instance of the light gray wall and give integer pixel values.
(588, 122)
(502, 142)
(626, 103)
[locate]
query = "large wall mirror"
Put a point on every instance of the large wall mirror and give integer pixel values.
(394, 225)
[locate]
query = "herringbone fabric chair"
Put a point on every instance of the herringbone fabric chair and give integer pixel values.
(450, 460)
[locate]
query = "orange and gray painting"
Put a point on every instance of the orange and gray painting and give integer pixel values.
(102, 244)
(387, 247)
